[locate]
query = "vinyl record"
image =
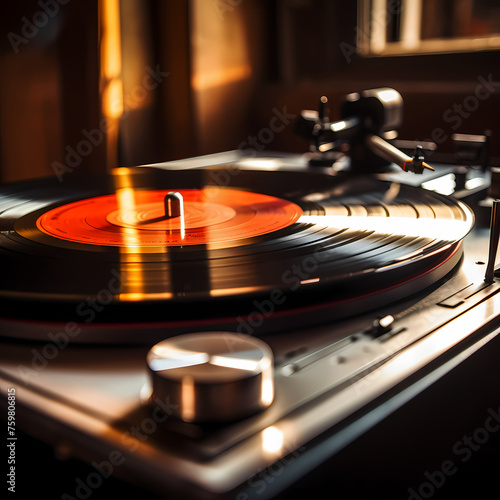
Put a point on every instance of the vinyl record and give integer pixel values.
(102, 249)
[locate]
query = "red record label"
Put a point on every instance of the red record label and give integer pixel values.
(132, 218)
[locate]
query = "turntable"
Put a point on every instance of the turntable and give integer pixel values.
(221, 327)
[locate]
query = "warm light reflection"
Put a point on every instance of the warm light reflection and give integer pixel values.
(222, 69)
(263, 163)
(386, 321)
(435, 229)
(235, 363)
(444, 184)
(111, 84)
(125, 198)
(411, 23)
(388, 95)
(174, 351)
(378, 23)
(133, 297)
(173, 363)
(112, 99)
(231, 291)
(474, 183)
(110, 39)
(220, 76)
(182, 219)
(123, 172)
(111, 66)
(187, 398)
(338, 126)
(309, 281)
(444, 338)
(132, 271)
(272, 440)
(267, 394)
(220, 49)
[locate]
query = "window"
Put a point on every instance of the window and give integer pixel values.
(404, 27)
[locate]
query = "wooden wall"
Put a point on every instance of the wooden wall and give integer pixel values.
(224, 69)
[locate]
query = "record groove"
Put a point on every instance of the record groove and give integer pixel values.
(318, 236)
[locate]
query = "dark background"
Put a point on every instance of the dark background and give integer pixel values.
(230, 66)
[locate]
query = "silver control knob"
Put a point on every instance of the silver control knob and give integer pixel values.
(212, 376)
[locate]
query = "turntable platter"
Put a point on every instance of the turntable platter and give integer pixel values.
(307, 241)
